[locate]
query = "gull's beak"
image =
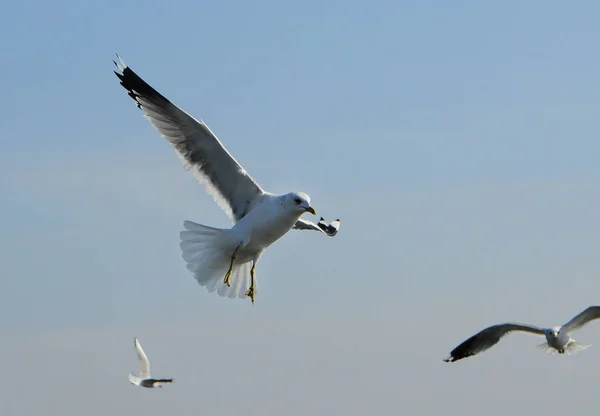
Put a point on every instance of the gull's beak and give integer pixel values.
(311, 210)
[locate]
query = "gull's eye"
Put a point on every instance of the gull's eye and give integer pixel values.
(297, 200)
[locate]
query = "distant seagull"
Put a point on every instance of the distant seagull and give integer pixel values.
(145, 379)
(557, 338)
(222, 259)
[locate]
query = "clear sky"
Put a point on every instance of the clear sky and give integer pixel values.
(457, 141)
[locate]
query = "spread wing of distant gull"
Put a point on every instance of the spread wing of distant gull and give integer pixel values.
(145, 378)
(557, 338)
(487, 338)
(222, 260)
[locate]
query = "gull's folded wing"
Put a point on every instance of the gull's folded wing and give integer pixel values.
(322, 226)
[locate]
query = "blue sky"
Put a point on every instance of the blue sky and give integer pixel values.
(456, 141)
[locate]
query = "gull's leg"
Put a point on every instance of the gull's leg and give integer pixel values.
(250, 291)
(227, 280)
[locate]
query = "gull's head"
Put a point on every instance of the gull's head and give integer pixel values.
(552, 332)
(299, 202)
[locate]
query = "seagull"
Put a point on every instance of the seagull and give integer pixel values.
(222, 259)
(145, 379)
(557, 338)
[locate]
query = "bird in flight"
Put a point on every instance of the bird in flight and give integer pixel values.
(557, 338)
(222, 259)
(145, 378)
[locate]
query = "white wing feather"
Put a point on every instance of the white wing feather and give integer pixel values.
(199, 148)
(143, 359)
(589, 314)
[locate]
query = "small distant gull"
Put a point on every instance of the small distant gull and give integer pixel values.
(145, 378)
(222, 259)
(557, 338)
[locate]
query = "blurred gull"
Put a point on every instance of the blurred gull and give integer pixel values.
(557, 338)
(145, 378)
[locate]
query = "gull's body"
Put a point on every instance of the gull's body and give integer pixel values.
(145, 378)
(222, 259)
(558, 338)
(261, 227)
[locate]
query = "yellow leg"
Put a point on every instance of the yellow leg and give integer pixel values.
(250, 291)
(227, 280)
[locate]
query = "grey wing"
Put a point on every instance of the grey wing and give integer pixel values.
(589, 314)
(232, 188)
(487, 338)
(143, 359)
(329, 229)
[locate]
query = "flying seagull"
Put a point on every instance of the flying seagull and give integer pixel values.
(557, 338)
(222, 259)
(145, 379)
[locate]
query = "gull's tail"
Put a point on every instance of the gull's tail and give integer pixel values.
(547, 348)
(206, 252)
(575, 347)
(571, 349)
(133, 379)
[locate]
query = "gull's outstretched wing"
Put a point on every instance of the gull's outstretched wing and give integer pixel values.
(144, 363)
(589, 314)
(487, 339)
(322, 226)
(233, 189)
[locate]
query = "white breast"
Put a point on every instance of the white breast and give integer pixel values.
(264, 225)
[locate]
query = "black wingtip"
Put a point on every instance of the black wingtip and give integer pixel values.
(328, 229)
(136, 86)
(454, 358)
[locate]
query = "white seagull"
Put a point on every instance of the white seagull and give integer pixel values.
(222, 259)
(145, 378)
(557, 338)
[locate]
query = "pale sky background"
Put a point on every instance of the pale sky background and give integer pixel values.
(457, 141)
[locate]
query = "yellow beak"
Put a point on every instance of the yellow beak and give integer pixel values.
(311, 210)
